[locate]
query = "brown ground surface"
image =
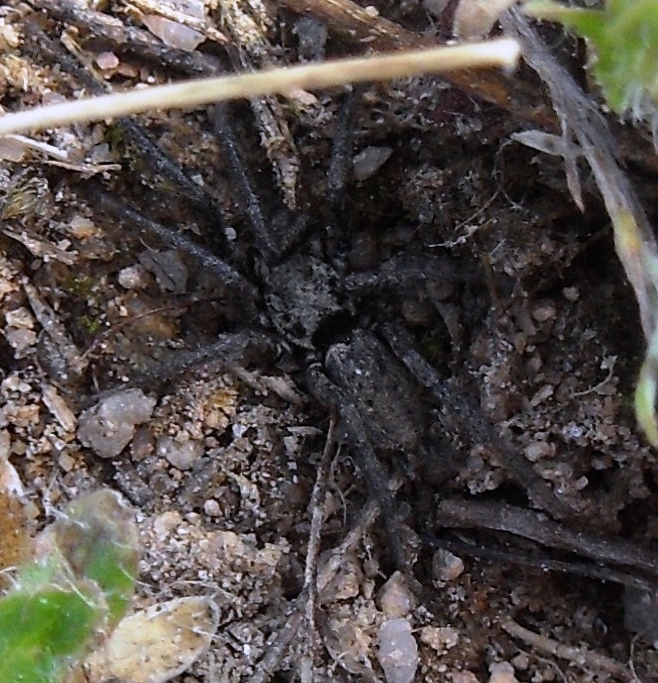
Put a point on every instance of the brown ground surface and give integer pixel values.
(514, 297)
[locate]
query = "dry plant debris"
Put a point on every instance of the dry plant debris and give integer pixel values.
(157, 362)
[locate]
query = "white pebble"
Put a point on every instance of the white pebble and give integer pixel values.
(109, 426)
(211, 508)
(133, 277)
(502, 672)
(181, 455)
(446, 566)
(395, 598)
(398, 651)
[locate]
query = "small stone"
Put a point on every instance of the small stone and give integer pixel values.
(133, 277)
(109, 426)
(439, 639)
(521, 662)
(571, 294)
(537, 450)
(65, 461)
(395, 598)
(464, 677)
(543, 312)
(367, 162)
(107, 60)
(172, 33)
(211, 508)
(20, 318)
(20, 339)
(181, 455)
(502, 672)
(398, 651)
(59, 408)
(446, 566)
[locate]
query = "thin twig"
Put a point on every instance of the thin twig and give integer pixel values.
(318, 508)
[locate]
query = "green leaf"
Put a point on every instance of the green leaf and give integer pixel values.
(623, 46)
(97, 537)
(81, 582)
(42, 631)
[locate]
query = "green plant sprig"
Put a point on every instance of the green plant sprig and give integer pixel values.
(622, 42)
(80, 585)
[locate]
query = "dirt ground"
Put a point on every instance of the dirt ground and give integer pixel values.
(225, 314)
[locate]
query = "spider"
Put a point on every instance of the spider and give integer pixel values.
(342, 328)
(306, 287)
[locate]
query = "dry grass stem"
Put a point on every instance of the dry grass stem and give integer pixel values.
(205, 91)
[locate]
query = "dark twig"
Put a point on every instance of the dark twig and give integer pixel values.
(525, 100)
(509, 555)
(533, 525)
(130, 40)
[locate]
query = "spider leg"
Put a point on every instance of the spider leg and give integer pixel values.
(141, 140)
(226, 274)
(241, 176)
(457, 414)
(354, 433)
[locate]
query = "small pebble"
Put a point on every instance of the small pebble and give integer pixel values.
(571, 294)
(398, 651)
(537, 450)
(65, 461)
(181, 455)
(369, 161)
(172, 33)
(395, 598)
(107, 60)
(446, 566)
(133, 277)
(543, 312)
(439, 639)
(211, 508)
(109, 426)
(502, 672)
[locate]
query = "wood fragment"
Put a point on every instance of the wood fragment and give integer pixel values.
(581, 656)
(72, 356)
(521, 98)
(318, 507)
(248, 22)
(43, 249)
(325, 575)
(201, 24)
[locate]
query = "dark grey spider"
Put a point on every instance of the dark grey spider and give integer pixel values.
(301, 295)
(293, 287)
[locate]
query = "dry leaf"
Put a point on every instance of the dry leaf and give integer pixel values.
(157, 644)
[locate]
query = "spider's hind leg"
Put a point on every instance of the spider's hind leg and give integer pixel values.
(354, 433)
